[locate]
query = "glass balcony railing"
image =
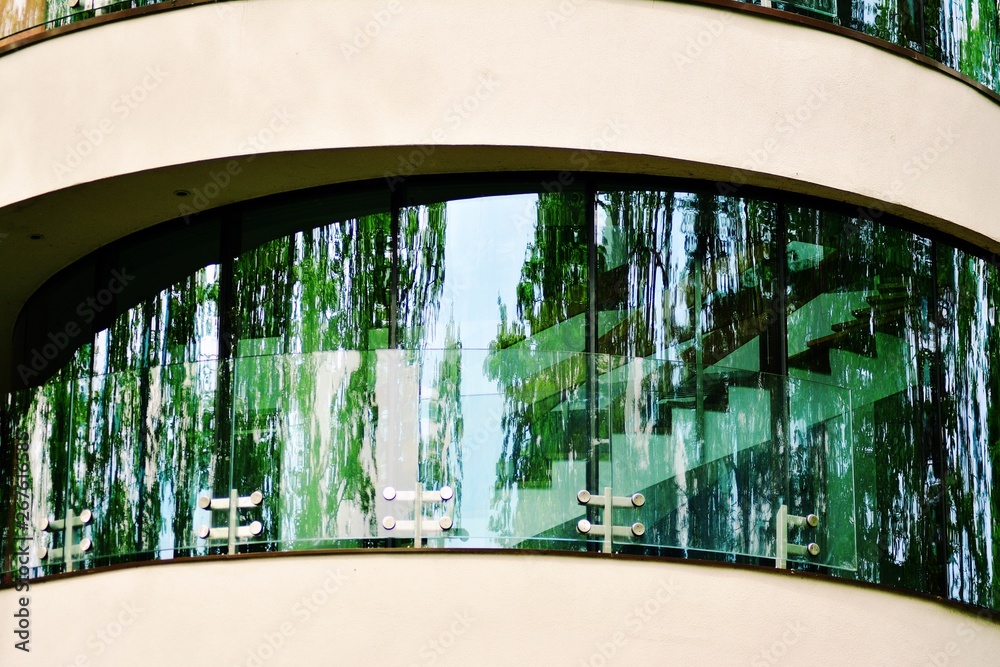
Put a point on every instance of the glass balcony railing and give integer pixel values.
(454, 448)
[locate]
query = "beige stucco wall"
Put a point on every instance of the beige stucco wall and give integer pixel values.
(99, 128)
(477, 609)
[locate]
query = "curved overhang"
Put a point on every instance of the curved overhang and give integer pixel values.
(239, 100)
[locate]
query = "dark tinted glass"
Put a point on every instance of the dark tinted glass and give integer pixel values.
(738, 361)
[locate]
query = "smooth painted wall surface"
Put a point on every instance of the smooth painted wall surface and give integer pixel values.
(473, 609)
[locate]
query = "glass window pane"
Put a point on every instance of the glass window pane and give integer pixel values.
(323, 288)
(970, 350)
(145, 428)
(859, 299)
(687, 281)
(494, 291)
(684, 276)
(41, 419)
(311, 316)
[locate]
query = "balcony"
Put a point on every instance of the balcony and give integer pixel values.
(482, 363)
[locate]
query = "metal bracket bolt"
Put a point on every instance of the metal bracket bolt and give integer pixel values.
(69, 550)
(232, 531)
(419, 525)
(608, 502)
(783, 548)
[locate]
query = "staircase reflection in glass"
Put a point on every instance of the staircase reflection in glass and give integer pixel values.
(321, 435)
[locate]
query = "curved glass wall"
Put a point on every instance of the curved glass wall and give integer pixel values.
(452, 363)
(962, 34)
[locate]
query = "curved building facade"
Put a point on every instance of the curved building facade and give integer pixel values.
(675, 321)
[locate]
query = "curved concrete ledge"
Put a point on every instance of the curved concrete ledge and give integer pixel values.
(678, 81)
(463, 609)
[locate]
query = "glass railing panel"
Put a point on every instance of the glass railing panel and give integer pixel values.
(512, 448)
(700, 448)
(144, 449)
(820, 462)
(104, 454)
(420, 441)
(513, 427)
(727, 460)
(42, 420)
(519, 478)
(313, 434)
(417, 444)
(185, 457)
(338, 442)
